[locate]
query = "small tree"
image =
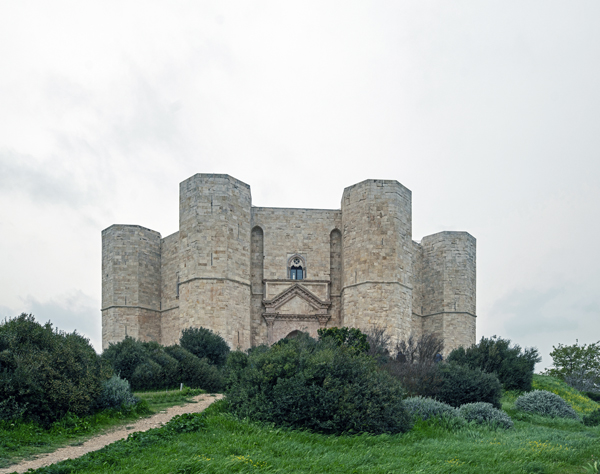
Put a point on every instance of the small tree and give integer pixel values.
(203, 342)
(513, 366)
(579, 366)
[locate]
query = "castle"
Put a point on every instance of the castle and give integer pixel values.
(258, 274)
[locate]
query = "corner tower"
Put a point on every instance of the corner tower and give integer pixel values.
(214, 256)
(130, 284)
(377, 257)
(448, 285)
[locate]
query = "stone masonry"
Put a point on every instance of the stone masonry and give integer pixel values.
(256, 275)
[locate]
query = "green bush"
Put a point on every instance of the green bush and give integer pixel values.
(513, 366)
(461, 384)
(150, 366)
(593, 419)
(45, 373)
(544, 403)
(116, 392)
(316, 385)
(350, 337)
(484, 413)
(11, 410)
(426, 408)
(168, 364)
(593, 396)
(419, 379)
(194, 372)
(203, 343)
(124, 357)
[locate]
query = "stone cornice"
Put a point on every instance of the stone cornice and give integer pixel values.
(290, 293)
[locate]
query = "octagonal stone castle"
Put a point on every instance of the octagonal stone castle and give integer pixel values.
(257, 274)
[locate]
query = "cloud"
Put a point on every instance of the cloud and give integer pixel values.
(543, 318)
(49, 182)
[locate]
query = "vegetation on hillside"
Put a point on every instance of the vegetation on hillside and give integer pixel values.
(347, 382)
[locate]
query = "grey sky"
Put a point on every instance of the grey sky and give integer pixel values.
(488, 111)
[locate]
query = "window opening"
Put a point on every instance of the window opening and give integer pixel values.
(296, 270)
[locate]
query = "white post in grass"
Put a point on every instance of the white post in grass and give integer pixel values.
(180, 387)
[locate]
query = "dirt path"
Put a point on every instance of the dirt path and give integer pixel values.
(93, 444)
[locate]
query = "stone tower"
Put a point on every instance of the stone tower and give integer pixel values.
(256, 274)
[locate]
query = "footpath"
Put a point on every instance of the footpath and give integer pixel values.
(98, 442)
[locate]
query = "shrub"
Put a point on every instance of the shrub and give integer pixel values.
(484, 413)
(203, 342)
(578, 401)
(425, 349)
(350, 337)
(168, 364)
(414, 365)
(116, 392)
(45, 373)
(418, 379)
(379, 342)
(544, 403)
(593, 419)
(147, 376)
(460, 385)
(593, 396)
(513, 366)
(124, 357)
(194, 372)
(316, 385)
(11, 410)
(426, 408)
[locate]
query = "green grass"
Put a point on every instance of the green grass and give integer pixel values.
(580, 403)
(20, 441)
(226, 444)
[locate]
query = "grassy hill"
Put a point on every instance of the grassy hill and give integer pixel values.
(224, 444)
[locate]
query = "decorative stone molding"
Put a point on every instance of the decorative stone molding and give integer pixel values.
(280, 324)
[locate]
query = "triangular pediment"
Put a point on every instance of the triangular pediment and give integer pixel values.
(296, 291)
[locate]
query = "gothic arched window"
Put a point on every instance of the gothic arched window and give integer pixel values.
(297, 268)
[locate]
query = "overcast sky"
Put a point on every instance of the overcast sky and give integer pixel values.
(489, 111)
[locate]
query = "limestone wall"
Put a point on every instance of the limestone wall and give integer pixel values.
(296, 231)
(130, 283)
(228, 256)
(377, 257)
(214, 256)
(448, 278)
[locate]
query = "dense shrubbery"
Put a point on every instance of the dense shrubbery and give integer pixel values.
(426, 408)
(150, 366)
(593, 396)
(350, 337)
(593, 419)
(115, 393)
(419, 379)
(45, 373)
(544, 403)
(194, 372)
(203, 343)
(484, 413)
(513, 366)
(460, 385)
(303, 383)
(416, 365)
